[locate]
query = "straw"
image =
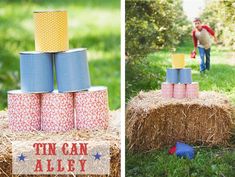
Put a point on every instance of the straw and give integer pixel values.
(154, 122)
(112, 134)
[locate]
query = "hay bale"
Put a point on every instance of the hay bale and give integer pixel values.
(154, 122)
(112, 134)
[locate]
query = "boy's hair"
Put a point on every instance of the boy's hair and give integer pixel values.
(197, 20)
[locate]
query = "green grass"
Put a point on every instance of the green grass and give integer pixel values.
(152, 71)
(207, 163)
(92, 24)
(148, 75)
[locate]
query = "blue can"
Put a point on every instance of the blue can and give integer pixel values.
(72, 71)
(185, 76)
(172, 76)
(36, 72)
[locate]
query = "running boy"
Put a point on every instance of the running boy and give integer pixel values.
(201, 39)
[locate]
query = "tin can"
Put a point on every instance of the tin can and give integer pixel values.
(185, 76)
(36, 72)
(172, 76)
(192, 90)
(179, 91)
(72, 71)
(91, 108)
(178, 61)
(57, 112)
(167, 90)
(24, 111)
(51, 31)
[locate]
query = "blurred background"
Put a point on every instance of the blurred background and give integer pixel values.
(93, 24)
(155, 30)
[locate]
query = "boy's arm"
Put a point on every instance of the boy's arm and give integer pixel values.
(210, 31)
(194, 40)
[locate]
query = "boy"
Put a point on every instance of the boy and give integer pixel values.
(201, 39)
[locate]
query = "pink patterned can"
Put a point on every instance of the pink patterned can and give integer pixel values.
(192, 90)
(24, 111)
(179, 91)
(167, 90)
(57, 112)
(91, 109)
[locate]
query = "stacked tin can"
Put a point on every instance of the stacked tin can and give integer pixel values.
(38, 106)
(179, 80)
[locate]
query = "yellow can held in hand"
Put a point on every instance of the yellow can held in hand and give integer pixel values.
(178, 60)
(51, 31)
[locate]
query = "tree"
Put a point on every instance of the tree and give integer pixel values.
(220, 15)
(153, 25)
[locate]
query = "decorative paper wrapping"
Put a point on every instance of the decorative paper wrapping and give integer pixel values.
(72, 70)
(36, 72)
(91, 108)
(178, 61)
(57, 112)
(179, 91)
(192, 90)
(167, 90)
(24, 111)
(185, 76)
(51, 31)
(172, 75)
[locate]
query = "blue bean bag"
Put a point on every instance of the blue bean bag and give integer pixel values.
(184, 150)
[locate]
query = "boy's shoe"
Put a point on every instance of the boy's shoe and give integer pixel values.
(202, 72)
(206, 74)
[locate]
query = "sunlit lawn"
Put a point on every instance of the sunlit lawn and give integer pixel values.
(92, 24)
(220, 78)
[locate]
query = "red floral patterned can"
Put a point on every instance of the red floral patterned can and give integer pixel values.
(57, 112)
(91, 109)
(179, 91)
(192, 90)
(24, 111)
(167, 90)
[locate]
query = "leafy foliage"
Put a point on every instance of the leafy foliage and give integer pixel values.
(152, 72)
(220, 15)
(153, 25)
(150, 27)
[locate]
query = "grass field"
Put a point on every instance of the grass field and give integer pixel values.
(152, 71)
(92, 24)
(208, 162)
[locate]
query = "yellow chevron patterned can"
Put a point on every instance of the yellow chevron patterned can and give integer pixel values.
(51, 31)
(178, 61)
